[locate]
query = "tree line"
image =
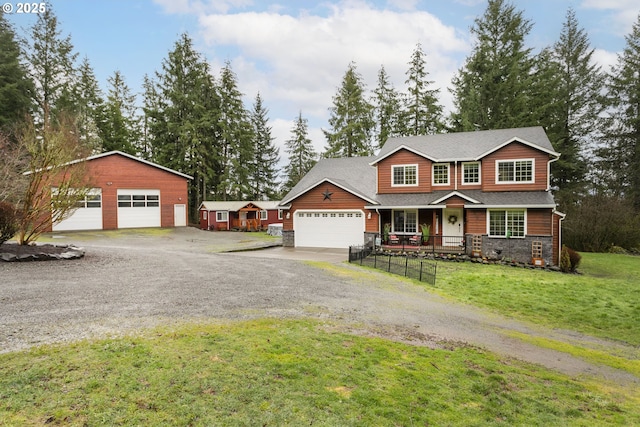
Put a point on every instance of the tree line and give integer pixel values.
(193, 119)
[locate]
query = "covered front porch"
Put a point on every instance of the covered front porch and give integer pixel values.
(437, 230)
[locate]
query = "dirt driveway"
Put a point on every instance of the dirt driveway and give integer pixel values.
(128, 281)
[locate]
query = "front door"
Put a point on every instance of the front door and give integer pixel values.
(452, 227)
(243, 218)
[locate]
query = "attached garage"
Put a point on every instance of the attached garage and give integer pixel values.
(329, 228)
(88, 216)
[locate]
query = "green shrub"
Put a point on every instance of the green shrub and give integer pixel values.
(8, 221)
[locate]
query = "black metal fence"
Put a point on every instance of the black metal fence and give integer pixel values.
(418, 268)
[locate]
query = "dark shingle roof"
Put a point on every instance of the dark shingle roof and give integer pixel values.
(354, 174)
(541, 199)
(358, 175)
(463, 146)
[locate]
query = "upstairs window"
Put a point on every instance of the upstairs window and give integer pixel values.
(471, 173)
(440, 174)
(515, 171)
(404, 175)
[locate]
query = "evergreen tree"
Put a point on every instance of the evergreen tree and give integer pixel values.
(119, 127)
(351, 119)
(51, 62)
(236, 136)
(15, 88)
(493, 89)
(620, 151)
(302, 156)
(264, 173)
(423, 113)
(387, 109)
(575, 108)
(181, 108)
(89, 107)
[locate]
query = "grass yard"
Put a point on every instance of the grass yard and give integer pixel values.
(603, 301)
(279, 373)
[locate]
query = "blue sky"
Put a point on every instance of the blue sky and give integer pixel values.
(295, 52)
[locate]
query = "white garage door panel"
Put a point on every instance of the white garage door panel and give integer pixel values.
(138, 208)
(327, 229)
(86, 217)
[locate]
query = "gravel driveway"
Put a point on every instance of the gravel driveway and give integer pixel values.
(129, 282)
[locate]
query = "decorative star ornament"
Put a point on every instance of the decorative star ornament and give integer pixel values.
(327, 194)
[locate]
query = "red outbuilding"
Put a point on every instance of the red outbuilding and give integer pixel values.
(129, 192)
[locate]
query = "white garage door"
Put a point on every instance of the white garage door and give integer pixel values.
(328, 229)
(88, 216)
(138, 208)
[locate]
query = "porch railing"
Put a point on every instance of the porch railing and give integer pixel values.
(434, 244)
(246, 224)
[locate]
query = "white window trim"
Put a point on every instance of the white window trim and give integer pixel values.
(224, 214)
(393, 221)
(479, 173)
(533, 171)
(506, 210)
(393, 167)
(264, 215)
(280, 214)
(433, 175)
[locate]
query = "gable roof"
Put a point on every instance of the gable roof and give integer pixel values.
(352, 174)
(236, 205)
(129, 156)
(466, 146)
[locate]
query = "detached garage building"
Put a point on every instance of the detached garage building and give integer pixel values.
(128, 192)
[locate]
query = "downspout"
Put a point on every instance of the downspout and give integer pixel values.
(549, 172)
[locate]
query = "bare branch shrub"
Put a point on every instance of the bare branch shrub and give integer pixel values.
(56, 175)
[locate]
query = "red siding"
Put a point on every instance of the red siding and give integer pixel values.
(404, 157)
(114, 172)
(515, 151)
(340, 199)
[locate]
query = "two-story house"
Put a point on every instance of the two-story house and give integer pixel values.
(485, 192)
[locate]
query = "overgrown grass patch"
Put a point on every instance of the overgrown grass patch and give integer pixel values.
(603, 301)
(274, 372)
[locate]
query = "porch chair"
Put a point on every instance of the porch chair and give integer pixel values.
(394, 239)
(416, 239)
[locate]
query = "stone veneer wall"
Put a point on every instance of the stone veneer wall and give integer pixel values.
(517, 249)
(288, 238)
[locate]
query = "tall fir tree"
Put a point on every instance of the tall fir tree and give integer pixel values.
(619, 153)
(422, 111)
(90, 105)
(51, 67)
(387, 109)
(493, 89)
(15, 88)
(264, 170)
(576, 88)
(236, 135)
(351, 120)
(302, 156)
(180, 108)
(120, 125)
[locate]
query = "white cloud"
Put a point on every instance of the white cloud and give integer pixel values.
(297, 62)
(622, 13)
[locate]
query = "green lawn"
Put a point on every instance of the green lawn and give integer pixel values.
(279, 373)
(603, 301)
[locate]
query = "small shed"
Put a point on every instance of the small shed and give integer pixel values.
(239, 215)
